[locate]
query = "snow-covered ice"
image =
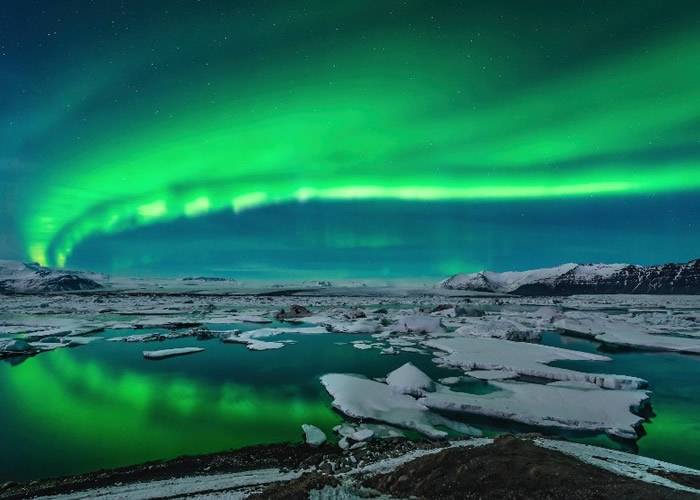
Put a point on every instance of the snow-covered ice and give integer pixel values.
(550, 406)
(313, 435)
(360, 398)
(632, 332)
(408, 379)
(474, 353)
(168, 353)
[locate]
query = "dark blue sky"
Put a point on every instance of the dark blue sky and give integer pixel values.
(295, 139)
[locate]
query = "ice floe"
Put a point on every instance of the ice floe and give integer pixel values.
(474, 353)
(313, 435)
(629, 332)
(550, 406)
(360, 398)
(168, 353)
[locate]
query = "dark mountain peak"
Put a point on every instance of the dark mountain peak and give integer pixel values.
(572, 279)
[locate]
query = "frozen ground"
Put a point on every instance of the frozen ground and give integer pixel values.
(369, 472)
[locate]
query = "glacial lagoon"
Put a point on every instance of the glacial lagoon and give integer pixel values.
(102, 405)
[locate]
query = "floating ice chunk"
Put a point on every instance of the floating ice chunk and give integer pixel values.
(413, 349)
(361, 345)
(16, 347)
(408, 379)
(361, 398)
(313, 435)
(625, 333)
(474, 353)
(362, 435)
(357, 326)
(238, 318)
(496, 327)
(450, 380)
(78, 341)
(168, 353)
(149, 337)
(492, 374)
(418, 323)
(271, 332)
(378, 431)
(550, 406)
(261, 345)
(575, 385)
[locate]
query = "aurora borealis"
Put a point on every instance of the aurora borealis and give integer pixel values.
(462, 132)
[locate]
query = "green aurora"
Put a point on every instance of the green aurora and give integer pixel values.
(193, 110)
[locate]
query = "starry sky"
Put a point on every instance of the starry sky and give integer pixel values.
(316, 139)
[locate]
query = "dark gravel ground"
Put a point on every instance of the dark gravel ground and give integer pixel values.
(510, 468)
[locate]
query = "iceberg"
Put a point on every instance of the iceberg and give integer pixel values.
(550, 406)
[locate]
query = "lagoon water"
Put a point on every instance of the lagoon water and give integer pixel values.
(103, 405)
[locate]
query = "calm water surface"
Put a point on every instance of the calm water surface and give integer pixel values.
(103, 405)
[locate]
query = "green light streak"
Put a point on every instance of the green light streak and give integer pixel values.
(396, 123)
(119, 415)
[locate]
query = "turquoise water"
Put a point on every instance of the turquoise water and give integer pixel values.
(103, 405)
(674, 379)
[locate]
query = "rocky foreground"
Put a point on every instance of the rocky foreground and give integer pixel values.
(526, 467)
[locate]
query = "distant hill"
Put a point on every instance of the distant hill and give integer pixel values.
(18, 277)
(571, 279)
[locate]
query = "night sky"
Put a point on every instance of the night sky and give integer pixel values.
(350, 139)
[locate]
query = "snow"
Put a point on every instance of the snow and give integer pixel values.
(504, 282)
(550, 406)
(270, 332)
(313, 435)
(492, 374)
(148, 337)
(353, 326)
(631, 332)
(239, 318)
(355, 431)
(168, 353)
(623, 464)
(450, 380)
(362, 435)
(361, 345)
(497, 327)
(14, 347)
(418, 323)
(408, 379)
(386, 465)
(360, 398)
(32, 278)
(261, 345)
(251, 343)
(251, 337)
(474, 353)
(187, 486)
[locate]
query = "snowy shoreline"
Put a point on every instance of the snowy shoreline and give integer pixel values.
(256, 472)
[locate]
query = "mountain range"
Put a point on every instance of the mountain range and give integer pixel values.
(572, 279)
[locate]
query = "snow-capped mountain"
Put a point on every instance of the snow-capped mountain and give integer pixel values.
(570, 279)
(18, 277)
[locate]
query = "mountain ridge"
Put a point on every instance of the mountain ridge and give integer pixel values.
(573, 279)
(20, 277)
